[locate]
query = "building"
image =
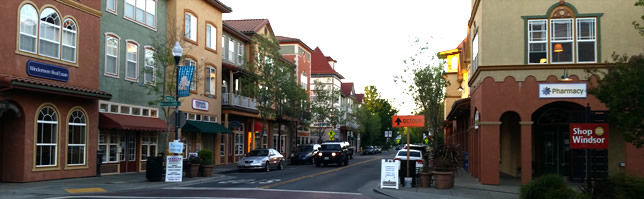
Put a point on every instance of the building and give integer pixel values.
(197, 26)
(49, 90)
(348, 104)
(323, 71)
(130, 129)
(515, 124)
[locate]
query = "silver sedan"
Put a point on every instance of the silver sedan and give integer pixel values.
(261, 159)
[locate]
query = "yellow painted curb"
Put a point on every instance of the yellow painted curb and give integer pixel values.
(85, 190)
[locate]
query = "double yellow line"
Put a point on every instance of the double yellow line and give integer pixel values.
(315, 174)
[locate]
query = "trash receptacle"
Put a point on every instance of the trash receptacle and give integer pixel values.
(403, 172)
(466, 161)
(154, 169)
(99, 161)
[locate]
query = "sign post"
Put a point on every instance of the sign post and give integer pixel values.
(408, 121)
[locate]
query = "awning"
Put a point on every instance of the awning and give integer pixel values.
(47, 86)
(459, 108)
(128, 122)
(204, 127)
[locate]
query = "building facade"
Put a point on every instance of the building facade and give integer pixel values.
(322, 71)
(49, 92)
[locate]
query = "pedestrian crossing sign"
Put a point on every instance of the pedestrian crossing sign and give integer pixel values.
(331, 135)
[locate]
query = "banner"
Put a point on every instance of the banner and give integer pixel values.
(184, 79)
(589, 136)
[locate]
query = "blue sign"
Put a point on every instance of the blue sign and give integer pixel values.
(184, 78)
(47, 71)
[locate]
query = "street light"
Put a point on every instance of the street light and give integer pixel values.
(177, 51)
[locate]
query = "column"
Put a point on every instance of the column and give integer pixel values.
(217, 151)
(526, 151)
(490, 136)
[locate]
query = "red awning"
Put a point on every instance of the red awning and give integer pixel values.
(258, 126)
(127, 122)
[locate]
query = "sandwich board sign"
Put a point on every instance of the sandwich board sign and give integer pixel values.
(389, 174)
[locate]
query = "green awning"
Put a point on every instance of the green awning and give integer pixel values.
(204, 127)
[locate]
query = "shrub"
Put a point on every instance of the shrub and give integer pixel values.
(206, 156)
(547, 187)
(625, 186)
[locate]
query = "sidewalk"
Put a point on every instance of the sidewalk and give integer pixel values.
(465, 186)
(105, 183)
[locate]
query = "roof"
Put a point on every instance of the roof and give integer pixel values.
(247, 25)
(235, 32)
(30, 83)
(128, 122)
(290, 40)
(459, 108)
(360, 97)
(204, 127)
(221, 6)
(346, 88)
(320, 66)
(329, 58)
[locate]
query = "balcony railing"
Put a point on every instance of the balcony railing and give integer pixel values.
(232, 99)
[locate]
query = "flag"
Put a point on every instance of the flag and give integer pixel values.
(184, 79)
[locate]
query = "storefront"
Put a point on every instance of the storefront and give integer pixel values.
(198, 135)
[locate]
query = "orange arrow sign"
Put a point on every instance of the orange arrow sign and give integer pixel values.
(408, 121)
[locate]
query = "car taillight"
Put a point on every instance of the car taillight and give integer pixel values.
(319, 154)
(333, 154)
(419, 161)
(397, 159)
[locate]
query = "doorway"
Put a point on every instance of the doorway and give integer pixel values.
(128, 152)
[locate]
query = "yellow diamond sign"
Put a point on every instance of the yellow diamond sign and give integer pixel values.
(331, 135)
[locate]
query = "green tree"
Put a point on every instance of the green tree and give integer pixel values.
(325, 107)
(622, 90)
(368, 125)
(637, 24)
(381, 107)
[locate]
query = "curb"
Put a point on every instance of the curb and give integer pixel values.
(382, 193)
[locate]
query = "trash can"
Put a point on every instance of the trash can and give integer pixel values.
(403, 172)
(466, 161)
(154, 169)
(99, 161)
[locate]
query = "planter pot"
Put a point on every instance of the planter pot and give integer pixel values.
(194, 170)
(443, 179)
(206, 170)
(425, 179)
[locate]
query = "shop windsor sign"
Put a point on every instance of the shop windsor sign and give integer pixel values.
(589, 136)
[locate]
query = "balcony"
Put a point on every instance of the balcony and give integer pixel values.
(234, 100)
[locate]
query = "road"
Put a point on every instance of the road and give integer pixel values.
(355, 181)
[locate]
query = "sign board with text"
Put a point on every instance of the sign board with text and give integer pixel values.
(174, 168)
(47, 71)
(389, 174)
(570, 90)
(588, 135)
(175, 147)
(200, 105)
(408, 121)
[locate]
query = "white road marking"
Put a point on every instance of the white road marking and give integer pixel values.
(70, 197)
(250, 181)
(259, 189)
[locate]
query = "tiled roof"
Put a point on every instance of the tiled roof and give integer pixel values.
(319, 65)
(346, 88)
(329, 58)
(221, 6)
(35, 83)
(288, 40)
(359, 98)
(235, 32)
(247, 25)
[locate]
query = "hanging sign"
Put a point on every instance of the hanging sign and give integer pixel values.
(184, 79)
(576, 90)
(589, 136)
(174, 168)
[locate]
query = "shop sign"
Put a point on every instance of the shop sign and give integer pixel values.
(389, 173)
(576, 90)
(47, 71)
(200, 104)
(173, 168)
(589, 136)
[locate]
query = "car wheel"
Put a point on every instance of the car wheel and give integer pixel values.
(281, 166)
(351, 157)
(317, 164)
(340, 163)
(346, 162)
(268, 166)
(312, 160)
(325, 164)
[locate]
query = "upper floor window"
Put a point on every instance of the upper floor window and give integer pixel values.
(303, 80)
(223, 47)
(132, 67)
(475, 53)
(142, 11)
(240, 52)
(231, 50)
(111, 55)
(47, 41)
(211, 37)
(211, 80)
(190, 62)
(190, 27)
(150, 67)
(110, 5)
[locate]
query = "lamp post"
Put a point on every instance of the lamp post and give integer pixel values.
(177, 51)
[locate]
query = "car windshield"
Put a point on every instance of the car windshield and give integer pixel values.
(369, 147)
(258, 153)
(331, 147)
(305, 148)
(412, 153)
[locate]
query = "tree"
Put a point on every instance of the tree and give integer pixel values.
(381, 107)
(427, 87)
(622, 90)
(368, 125)
(636, 24)
(325, 107)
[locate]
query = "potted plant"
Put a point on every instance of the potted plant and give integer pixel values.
(195, 162)
(444, 162)
(206, 165)
(426, 175)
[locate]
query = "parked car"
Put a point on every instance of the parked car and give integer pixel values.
(305, 153)
(378, 149)
(414, 155)
(332, 152)
(369, 150)
(261, 159)
(398, 147)
(421, 148)
(350, 149)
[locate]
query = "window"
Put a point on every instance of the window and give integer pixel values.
(537, 43)
(303, 80)
(239, 144)
(49, 33)
(110, 5)
(28, 28)
(131, 67)
(190, 27)
(561, 40)
(211, 81)
(76, 138)
(475, 53)
(211, 37)
(69, 40)
(240, 53)
(223, 47)
(142, 11)
(47, 137)
(586, 40)
(222, 146)
(150, 69)
(231, 50)
(148, 147)
(111, 55)
(190, 62)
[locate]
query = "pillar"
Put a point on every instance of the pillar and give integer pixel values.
(526, 151)
(490, 136)
(217, 150)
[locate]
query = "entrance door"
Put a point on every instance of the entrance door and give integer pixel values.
(555, 150)
(128, 152)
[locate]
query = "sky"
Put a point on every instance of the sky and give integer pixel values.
(368, 38)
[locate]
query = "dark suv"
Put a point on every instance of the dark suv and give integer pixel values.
(332, 152)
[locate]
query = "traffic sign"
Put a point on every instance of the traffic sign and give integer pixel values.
(408, 121)
(169, 98)
(331, 135)
(170, 103)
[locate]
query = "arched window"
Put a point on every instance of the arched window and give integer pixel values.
(111, 55)
(49, 33)
(69, 40)
(132, 67)
(47, 137)
(76, 138)
(28, 28)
